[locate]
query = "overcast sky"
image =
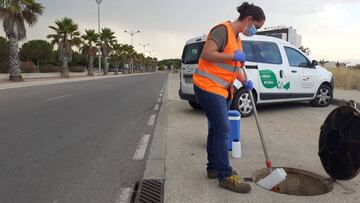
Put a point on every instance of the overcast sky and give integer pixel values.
(330, 28)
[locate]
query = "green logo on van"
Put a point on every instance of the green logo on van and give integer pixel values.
(269, 80)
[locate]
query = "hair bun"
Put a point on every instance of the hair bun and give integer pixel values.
(243, 7)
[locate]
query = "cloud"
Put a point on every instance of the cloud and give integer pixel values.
(302, 7)
(329, 27)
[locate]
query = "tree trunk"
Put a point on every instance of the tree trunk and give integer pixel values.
(106, 69)
(38, 66)
(65, 67)
(124, 68)
(117, 69)
(132, 65)
(14, 61)
(91, 66)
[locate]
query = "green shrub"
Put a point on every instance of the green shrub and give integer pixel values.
(28, 67)
(77, 69)
(49, 69)
(38, 51)
(4, 55)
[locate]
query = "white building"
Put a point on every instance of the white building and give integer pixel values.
(282, 32)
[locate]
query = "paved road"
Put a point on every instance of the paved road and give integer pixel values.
(75, 142)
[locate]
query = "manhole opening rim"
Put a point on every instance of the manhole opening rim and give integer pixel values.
(328, 182)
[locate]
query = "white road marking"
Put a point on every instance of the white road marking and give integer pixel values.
(151, 120)
(164, 86)
(159, 99)
(156, 107)
(60, 97)
(160, 95)
(125, 195)
(141, 149)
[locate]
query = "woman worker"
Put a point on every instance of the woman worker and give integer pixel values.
(219, 65)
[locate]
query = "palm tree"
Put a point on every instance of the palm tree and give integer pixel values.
(66, 36)
(140, 61)
(15, 13)
(107, 42)
(129, 54)
(118, 56)
(89, 48)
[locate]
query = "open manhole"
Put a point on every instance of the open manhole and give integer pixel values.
(339, 152)
(299, 182)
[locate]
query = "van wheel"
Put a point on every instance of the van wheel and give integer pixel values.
(323, 96)
(195, 105)
(242, 103)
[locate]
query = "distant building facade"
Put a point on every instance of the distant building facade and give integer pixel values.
(282, 32)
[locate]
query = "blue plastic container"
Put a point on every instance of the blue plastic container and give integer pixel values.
(234, 118)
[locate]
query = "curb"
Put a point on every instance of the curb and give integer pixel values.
(155, 164)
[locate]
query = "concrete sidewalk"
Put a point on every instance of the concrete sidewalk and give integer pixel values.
(291, 132)
(5, 84)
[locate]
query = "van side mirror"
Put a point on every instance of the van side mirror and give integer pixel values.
(314, 63)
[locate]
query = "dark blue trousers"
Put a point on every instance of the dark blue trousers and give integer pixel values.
(216, 108)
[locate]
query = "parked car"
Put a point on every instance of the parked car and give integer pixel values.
(279, 70)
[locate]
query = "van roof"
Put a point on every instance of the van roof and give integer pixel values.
(265, 39)
(245, 38)
(196, 39)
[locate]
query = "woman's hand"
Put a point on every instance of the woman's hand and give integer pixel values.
(248, 84)
(239, 56)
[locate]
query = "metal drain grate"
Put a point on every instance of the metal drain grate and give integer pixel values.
(149, 191)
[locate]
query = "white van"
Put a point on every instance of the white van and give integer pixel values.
(279, 70)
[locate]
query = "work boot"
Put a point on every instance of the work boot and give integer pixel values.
(213, 174)
(235, 184)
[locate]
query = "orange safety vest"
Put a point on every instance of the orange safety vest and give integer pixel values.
(218, 78)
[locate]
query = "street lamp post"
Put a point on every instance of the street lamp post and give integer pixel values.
(144, 46)
(132, 33)
(153, 56)
(151, 53)
(99, 2)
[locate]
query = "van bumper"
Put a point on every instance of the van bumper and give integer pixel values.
(187, 97)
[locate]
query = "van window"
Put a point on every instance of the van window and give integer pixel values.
(192, 52)
(296, 59)
(262, 52)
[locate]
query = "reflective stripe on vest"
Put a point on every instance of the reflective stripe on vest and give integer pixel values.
(212, 77)
(226, 67)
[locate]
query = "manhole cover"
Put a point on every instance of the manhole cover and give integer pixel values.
(339, 143)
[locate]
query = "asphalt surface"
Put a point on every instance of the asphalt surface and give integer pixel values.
(74, 142)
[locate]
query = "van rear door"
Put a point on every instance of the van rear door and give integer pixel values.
(189, 62)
